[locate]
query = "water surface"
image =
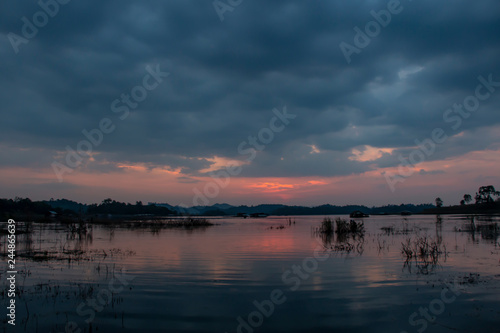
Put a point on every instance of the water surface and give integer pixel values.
(210, 279)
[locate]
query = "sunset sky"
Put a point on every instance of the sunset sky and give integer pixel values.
(306, 102)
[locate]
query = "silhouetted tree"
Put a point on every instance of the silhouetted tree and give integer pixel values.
(486, 194)
(467, 198)
(23, 205)
(109, 206)
(107, 201)
(439, 202)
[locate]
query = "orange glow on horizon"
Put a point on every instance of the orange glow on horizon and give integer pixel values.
(135, 181)
(272, 187)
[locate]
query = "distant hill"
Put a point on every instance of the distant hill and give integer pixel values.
(222, 206)
(223, 209)
(278, 209)
(342, 210)
(266, 209)
(108, 206)
(65, 204)
(320, 210)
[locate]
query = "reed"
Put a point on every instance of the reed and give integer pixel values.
(352, 227)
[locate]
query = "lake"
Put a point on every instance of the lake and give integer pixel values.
(260, 275)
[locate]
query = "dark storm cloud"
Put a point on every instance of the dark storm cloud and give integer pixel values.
(226, 77)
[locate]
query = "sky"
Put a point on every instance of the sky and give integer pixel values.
(249, 102)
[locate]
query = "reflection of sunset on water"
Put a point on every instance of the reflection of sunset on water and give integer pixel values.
(219, 270)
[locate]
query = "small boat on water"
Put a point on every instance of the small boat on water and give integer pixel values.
(358, 214)
(259, 215)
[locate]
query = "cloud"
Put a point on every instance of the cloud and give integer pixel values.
(431, 172)
(187, 180)
(226, 77)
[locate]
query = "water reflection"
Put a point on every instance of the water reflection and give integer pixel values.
(484, 226)
(202, 280)
(341, 236)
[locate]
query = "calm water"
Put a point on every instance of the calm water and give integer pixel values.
(204, 280)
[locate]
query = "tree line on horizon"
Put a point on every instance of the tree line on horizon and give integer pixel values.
(113, 207)
(72, 208)
(485, 194)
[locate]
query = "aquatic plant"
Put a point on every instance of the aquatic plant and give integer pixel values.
(326, 226)
(352, 227)
(349, 235)
(426, 253)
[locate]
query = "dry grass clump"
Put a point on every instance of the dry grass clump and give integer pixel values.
(426, 253)
(351, 227)
(340, 227)
(349, 235)
(326, 226)
(423, 248)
